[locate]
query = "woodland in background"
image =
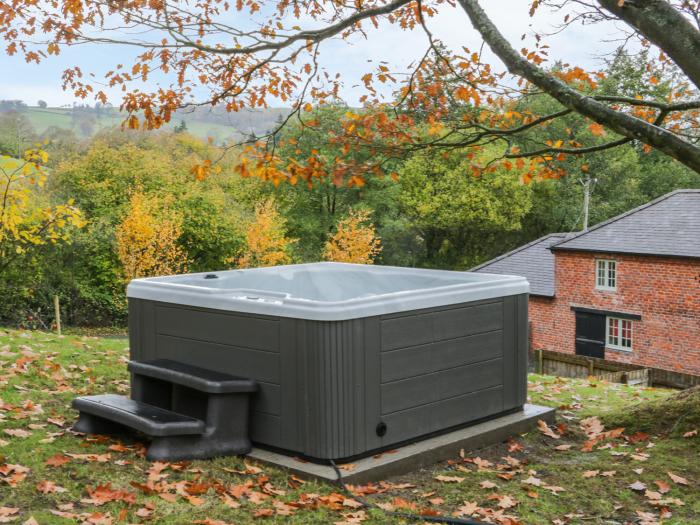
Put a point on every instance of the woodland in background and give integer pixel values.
(145, 211)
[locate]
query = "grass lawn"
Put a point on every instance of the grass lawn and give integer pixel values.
(584, 470)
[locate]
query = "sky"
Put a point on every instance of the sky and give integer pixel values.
(583, 46)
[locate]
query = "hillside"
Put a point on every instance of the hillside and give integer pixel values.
(201, 122)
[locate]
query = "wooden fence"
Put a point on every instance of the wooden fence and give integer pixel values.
(570, 365)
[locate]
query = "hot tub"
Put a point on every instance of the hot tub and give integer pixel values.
(350, 359)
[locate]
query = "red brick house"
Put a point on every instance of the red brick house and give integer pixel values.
(626, 290)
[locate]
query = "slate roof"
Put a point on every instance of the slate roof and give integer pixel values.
(669, 225)
(534, 261)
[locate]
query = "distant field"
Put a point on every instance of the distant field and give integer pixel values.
(44, 118)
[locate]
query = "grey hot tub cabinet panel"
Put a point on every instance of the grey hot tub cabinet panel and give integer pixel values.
(328, 387)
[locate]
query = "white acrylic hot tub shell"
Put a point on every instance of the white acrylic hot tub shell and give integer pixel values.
(326, 291)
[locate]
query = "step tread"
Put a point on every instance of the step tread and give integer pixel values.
(202, 379)
(149, 419)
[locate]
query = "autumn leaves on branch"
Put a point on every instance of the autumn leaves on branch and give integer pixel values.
(448, 99)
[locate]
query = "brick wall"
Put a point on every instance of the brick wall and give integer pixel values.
(542, 321)
(664, 291)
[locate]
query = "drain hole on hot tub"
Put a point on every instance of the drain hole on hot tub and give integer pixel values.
(211, 276)
(381, 429)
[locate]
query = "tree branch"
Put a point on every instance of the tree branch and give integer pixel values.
(623, 124)
(665, 26)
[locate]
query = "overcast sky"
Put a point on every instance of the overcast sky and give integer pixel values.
(577, 45)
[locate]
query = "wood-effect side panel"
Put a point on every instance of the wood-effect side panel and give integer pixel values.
(244, 362)
(411, 329)
(433, 417)
(142, 331)
(441, 355)
(439, 386)
(260, 333)
(444, 367)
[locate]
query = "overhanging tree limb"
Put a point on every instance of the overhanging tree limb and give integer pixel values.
(624, 124)
(665, 26)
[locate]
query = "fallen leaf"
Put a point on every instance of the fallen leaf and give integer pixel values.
(638, 486)
(506, 502)
(17, 432)
(468, 509)
(8, 514)
(102, 494)
(544, 428)
(449, 479)
(49, 487)
(662, 486)
(532, 480)
(677, 479)
(652, 494)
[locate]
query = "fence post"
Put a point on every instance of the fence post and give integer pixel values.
(591, 367)
(540, 361)
(57, 313)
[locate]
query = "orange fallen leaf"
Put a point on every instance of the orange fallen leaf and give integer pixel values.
(57, 460)
(662, 486)
(596, 129)
(544, 428)
(102, 494)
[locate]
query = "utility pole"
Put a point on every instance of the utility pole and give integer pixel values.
(586, 201)
(587, 182)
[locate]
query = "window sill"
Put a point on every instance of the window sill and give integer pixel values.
(618, 349)
(606, 289)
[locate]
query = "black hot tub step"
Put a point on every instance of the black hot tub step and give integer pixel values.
(209, 381)
(98, 412)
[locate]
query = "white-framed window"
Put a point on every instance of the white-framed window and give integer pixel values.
(619, 333)
(605, 274)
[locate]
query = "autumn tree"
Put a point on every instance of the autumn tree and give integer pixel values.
(266, 238)
(355, 240)
(27, 219)
(192, 49)
(457, 213)
(147, 240)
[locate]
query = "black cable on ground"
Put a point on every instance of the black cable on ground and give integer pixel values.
(404, 515)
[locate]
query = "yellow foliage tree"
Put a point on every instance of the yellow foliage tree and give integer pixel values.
(355, 240)
(147, 240)
(27, 220)
(266, 238)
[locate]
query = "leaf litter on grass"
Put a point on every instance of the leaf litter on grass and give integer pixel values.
(578, 469)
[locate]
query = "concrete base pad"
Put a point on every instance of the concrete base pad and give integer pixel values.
(416, 455)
